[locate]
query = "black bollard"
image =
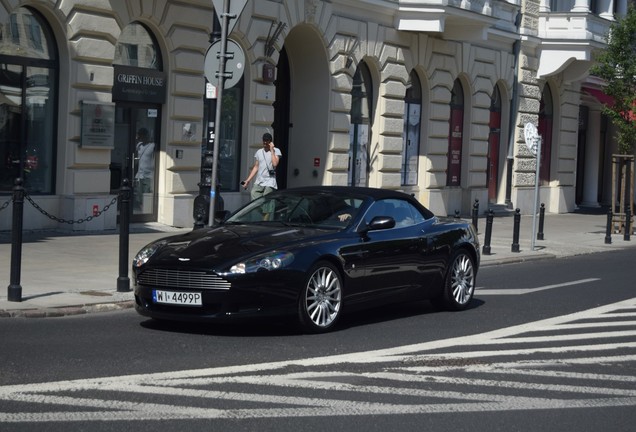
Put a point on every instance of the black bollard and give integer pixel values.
(515, 231)
(14, 290)
(123, 281)
(476, 214)
(489, 220)
(628, 205)
(199, 223)
(608, 228)
(541, 220)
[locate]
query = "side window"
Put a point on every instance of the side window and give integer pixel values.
(378, 208)
(404, 213)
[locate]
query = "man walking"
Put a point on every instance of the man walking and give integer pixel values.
(265, 162)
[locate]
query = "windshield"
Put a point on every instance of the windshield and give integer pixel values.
(319, 209)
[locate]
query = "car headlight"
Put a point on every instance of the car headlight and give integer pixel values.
(271, 261)
(144, 254)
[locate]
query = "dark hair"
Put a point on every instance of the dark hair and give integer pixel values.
(267, 136)
(143, 132)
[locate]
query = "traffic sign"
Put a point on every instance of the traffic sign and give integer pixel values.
(234, 10)
(234, 63)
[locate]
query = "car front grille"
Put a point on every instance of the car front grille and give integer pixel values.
(182, 279)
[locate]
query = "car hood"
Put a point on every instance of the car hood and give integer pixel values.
(227, 244)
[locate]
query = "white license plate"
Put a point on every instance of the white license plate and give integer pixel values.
(177, 298)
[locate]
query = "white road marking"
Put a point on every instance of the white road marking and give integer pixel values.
(524, 367)
(521, 291)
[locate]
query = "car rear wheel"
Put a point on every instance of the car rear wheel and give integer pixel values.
(459, 285)
(320, 302)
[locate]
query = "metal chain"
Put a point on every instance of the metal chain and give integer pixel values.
(68, 221)
(6, 204)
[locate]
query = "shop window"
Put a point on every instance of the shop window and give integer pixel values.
(455, 135)
(28, 100)
(360, 128)
(412, 126)
(230, 138)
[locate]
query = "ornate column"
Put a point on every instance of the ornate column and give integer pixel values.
(606, 9)
(581, 6)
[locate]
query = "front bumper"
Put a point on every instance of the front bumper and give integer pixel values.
(257, 295)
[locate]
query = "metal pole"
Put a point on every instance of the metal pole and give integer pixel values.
(628, 201)
(217, 117)
(515, 232)
(512, 122)
(476, 215)
(536, 193)
(608, 228)
(14, 290)
(123, 281)
(541, 222)
(489, 220)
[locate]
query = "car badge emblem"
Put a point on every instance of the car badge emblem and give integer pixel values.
(184, 259)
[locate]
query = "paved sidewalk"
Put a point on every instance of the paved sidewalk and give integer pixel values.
(66, 273)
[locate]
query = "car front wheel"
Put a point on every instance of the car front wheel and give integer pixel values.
(320, 302)
(459, 285)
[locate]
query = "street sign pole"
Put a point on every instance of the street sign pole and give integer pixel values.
(533, 142)
(537, 178)
(217, 115)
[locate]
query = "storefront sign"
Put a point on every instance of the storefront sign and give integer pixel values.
(139, 85)
(98, 125)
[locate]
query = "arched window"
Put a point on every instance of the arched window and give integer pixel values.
(546, 114)
(412, 125)
(455, 135)
(28, 101)
(494, 140)
(137, 47)
(360, 129)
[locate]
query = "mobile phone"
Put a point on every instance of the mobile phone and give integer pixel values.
(243, 183)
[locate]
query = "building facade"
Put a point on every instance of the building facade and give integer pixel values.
(428, 97)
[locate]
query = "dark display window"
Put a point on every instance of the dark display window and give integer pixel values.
(28, 97)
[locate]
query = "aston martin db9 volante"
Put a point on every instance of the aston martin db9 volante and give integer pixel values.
(314, 253)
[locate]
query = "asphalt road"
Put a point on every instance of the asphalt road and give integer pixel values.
(548, 345)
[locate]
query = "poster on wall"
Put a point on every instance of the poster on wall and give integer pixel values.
(98, 125)
(455, 148)
(358, 156)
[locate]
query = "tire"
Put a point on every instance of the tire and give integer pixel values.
(320, 301)
(459, 283)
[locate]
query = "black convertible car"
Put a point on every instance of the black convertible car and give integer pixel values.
(315, 252)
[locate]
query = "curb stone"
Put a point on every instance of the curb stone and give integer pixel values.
(67, 310)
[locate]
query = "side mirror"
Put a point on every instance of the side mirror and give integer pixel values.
(378, 223)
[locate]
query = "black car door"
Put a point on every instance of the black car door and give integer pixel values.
(390, 257)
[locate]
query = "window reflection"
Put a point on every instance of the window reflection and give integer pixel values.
(27, 102)
(136, 47)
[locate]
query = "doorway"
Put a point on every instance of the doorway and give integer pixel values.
(282, 122)
(493, 146)
(134, 157)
